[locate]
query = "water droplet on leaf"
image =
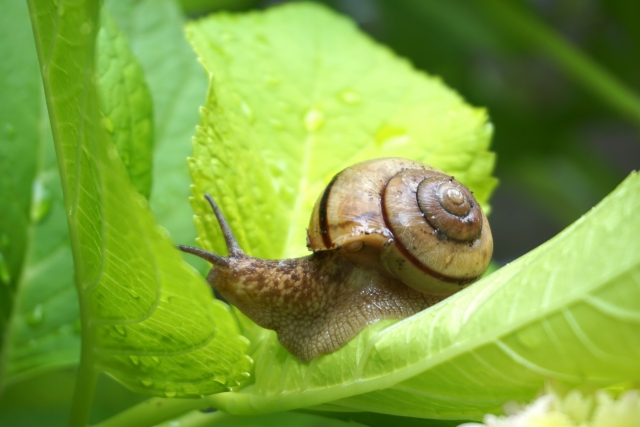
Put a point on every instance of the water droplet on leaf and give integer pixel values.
(5, 275)
(277, 124)
(113, 153)
(36, 316)
(271, 80)
(247, 111)
(313, 120)
(135, 360)
(146, 383)
(85, 28)
(9, 131)
(391, 136)
(284, 106)
(41, 201)
(350, 97)
(155, 359)
(170, 392)
(121, 330)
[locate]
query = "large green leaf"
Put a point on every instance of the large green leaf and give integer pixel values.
(125, 102)
(296, 95)
(568, 311)
(43, 328)
(147, 317)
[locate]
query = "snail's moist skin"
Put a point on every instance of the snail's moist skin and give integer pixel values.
(316, 304)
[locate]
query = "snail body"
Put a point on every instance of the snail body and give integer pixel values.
(390, 237)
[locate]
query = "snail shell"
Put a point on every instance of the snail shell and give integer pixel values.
(378, 226)
(426, 227)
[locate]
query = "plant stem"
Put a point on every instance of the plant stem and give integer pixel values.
(574, 62)
(153, 411)
(83, 393)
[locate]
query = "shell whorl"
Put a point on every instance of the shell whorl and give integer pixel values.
(426, 228)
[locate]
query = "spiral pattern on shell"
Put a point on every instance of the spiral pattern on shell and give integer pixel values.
(405, 219)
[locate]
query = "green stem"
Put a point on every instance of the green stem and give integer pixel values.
(574, 62)
(83, 393)
(153, 411)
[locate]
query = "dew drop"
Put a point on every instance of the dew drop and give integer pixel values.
(272, 81)
(133, 293)
(107, 123)
(121, 330)
(113, 153)
(9, 131)
(276, 124)
(313, 120)
(155, 359)
(85, 28)
(262, 39)
(135, 360)
(5, 275)
(40, 203)
(529, 339)
(391, 136)
(146, 383)
(350, 97)
(170, 393)
(284, 106)
(77, 326)
(247, 111)
(36, 316)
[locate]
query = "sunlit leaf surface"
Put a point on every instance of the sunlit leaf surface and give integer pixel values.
(321, 96)
(148, 318)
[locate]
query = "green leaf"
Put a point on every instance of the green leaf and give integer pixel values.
(296, 95)
(147, 317)
(125, 102)
(42, 330)
(568, 311)
(178, 87)
(18, 139)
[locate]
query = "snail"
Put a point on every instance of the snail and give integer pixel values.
(390, 237)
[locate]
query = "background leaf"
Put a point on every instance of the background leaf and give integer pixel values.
(125, 102)
(296, 95)
(42, 332)
(148, 319)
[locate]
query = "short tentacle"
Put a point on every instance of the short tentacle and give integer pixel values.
(214, 259)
